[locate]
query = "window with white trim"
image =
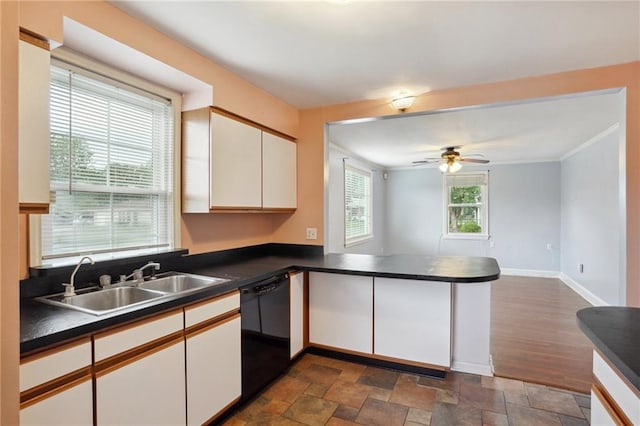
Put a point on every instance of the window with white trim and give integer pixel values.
(466, 208)
(357, 204)
(111, 167)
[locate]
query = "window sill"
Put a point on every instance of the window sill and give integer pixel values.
(358, 241)
(466, 236)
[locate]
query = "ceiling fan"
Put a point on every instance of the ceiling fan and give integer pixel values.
(451, 160)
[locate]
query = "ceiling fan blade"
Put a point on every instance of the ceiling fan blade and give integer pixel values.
(425, 161)
(474, 155)
(473, 160)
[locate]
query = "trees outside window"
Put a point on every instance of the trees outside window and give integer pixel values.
(466, 208)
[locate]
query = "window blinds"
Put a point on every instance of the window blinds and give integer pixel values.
(357, 203)
(111, 167)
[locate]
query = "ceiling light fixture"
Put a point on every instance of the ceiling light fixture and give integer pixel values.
(403, 102)
(450, 166)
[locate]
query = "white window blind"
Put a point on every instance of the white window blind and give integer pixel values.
(357, 204)
(111, 167)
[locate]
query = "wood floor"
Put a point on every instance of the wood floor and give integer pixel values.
(534, 335)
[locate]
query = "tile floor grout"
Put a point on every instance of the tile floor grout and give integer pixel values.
(319, 391)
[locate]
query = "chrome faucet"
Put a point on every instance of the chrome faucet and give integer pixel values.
(69, 288)
(138, 274)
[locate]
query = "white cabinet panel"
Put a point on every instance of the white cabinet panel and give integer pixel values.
(33, 125)
(278, 172)
(213, 370)
(73, 406)
(210, 309)
(341, 311)
(113, 342)
(236, 163)
(413, 320)
(621, 393)
(147, 391)
(297, 312)
(39, 369)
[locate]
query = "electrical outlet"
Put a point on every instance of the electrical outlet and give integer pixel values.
(581, 268)
(312, 233)
(492, 244)
(549, 246)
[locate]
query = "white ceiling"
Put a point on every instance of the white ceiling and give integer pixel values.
(537, 130)
(326, 52)
(316, 53)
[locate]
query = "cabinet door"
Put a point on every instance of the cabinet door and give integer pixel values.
(413, 320)
(33, 124)
(297, 313)
(214, 378)
(341, 311)
(236, 164)
(72, 406)
(148, 390)
(278, 172)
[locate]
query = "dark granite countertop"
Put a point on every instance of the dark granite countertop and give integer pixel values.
(615, 331)
(43, 325)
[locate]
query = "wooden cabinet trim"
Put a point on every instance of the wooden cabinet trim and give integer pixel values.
(221, 412)
(59, 348)
(381, 357)
(34, 39)
(250, 210)
(617, 372)
(202, 327)
(609, 404)
(54, 387)
(251, 123)
(125, 358)
(34, 208)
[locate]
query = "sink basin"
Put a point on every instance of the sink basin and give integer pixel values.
(178, 282)
(104, 301)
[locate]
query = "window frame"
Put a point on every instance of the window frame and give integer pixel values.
(113, 76)
(357, 168)
(484, 208)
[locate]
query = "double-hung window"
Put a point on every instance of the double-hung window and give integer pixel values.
(111, 168)
(466, 208)
(357, 204)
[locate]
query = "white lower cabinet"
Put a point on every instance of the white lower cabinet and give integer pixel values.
(140, 373)
(72, 406)
(614, 401)
(413, 320)
(213, 369)
(341, 311)
(297, 313)
(145, 390)
(56, 386)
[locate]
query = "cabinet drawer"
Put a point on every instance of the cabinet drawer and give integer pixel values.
(211, 308)
(41, 368)
(622, 394)
(122, 339)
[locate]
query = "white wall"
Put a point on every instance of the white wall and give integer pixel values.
(590, 217)
(335, 230)
(524, 215)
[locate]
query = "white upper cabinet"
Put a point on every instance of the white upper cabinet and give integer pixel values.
(33, 125)
(278, 172)
(236, 164)
(233, 165)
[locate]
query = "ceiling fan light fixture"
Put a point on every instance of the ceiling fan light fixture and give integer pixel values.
(403, 103)
(455, 167)
(443, 167)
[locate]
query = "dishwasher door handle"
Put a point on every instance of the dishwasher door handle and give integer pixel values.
(266, 286)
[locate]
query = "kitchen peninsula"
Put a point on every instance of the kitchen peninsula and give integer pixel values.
(420, 312)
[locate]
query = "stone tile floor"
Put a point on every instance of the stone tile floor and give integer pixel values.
(324, 391)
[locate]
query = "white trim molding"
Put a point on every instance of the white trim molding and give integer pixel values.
(582, 291)
(529, 273)
(472, 368)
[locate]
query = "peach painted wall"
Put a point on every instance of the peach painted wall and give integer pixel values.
(312, 121)
(9, 236)
(200, 233)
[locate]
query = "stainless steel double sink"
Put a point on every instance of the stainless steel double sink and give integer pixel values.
(131, 294)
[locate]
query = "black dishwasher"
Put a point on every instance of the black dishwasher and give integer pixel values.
(265, 332)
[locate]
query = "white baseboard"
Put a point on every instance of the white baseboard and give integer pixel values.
(472, 368)
(578, 288)
(529, 273)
